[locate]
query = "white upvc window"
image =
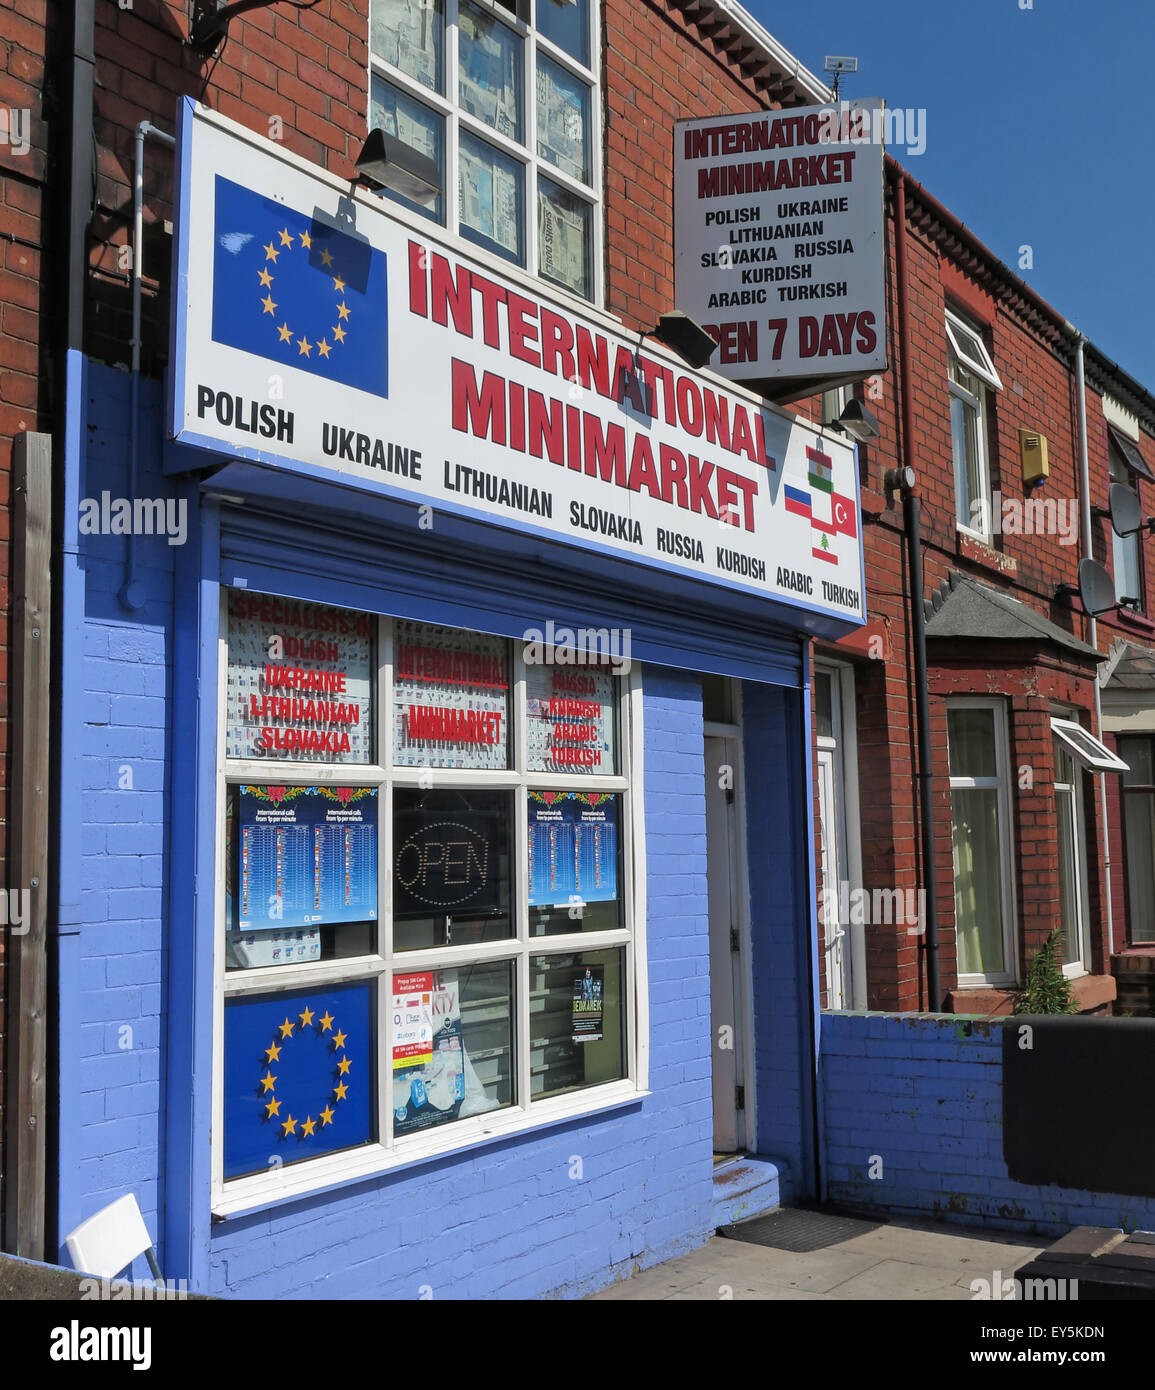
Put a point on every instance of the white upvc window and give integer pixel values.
(430, 868)
(504, 97)
(1074, 908)
(982, 838)
(1126, 553)
(970, 374)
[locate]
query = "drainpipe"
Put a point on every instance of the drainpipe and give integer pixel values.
(132, 594)
(1092, 625)
(908, 481)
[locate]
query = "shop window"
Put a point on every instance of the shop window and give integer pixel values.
(981, 836)
(505, 99)
(1138, 752)
(971, 374)
(428, 930)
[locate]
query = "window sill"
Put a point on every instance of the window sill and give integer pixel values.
(1128, 618)
(260, 1192)
(970, 547)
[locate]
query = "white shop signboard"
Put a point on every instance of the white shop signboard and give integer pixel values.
(318, 334)
(778, 236)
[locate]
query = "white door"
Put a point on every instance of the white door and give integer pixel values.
(837, 943)
(722, 860)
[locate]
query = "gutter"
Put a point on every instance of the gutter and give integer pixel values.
(742, 20)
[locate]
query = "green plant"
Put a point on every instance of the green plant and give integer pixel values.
(1047, 991)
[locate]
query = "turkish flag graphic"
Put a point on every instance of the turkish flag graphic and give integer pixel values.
(844, 514)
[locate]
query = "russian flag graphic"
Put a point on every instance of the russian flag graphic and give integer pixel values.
(797, 501)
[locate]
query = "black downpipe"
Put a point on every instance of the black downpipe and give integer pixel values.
(925, 769)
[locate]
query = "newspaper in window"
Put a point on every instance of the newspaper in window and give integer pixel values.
(407, 33)
(561, 120)
(491, 73)
(562, 252)
(490, 198)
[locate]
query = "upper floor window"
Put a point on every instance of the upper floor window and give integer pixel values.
(503, 96)
(1126, 561)
(970, 373)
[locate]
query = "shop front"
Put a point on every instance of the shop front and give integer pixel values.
(437, 833)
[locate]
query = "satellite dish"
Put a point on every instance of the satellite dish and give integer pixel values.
(1125, 511)
(1096, 587)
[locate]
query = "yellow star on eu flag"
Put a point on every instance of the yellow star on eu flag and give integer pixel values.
(306, 240)
(289, 1126)
(268, 303)
(273, 1108)
(343, 1066)
(273, 1052)
(286, 333)
(342, 310)
(326, 258)
(286, 1029)
(306, 1017)
(286, 239)
(338, 1039)
(309, 1126)
(271, 252)
(323, 348)
(339, 333)
(326, 1021)
(303, 347)
(268, 1081)
(341, 1091)
(265, 278)
(327, 1116)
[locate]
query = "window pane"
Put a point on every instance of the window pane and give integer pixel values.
(452, 1044)
(575, 870)
(451, 867)
(1069, 914)
(970, 496)
(567, 25)
(450, 698)
(492, 195)
(565, 238)
(563, 120)
(1140, 815)
(577, 1021)
(299, 681)
(410, 34)
(971, 741)
(1137, 754)
(413, 123)
(1125, 563)
(977, 881)
(571, 717)
(717, 699)
(300, 1075)
(823, 704)
(491, 71)
(301, 874)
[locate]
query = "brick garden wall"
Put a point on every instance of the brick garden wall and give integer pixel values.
(921, 1099)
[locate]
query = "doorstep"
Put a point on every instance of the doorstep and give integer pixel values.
(749, 1186)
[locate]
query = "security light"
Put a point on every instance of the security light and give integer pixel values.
(688, 339)
(386, 162)
(857, 421)
(209, 21)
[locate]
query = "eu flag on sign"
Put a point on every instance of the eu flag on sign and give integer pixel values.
(294, 290)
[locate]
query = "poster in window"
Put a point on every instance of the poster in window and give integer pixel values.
(433, 1080)
(587, 1007)
(299, 681)
(307, 856)
(572, 846)
(450, 699)
(570, 719)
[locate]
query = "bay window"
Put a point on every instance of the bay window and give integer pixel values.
(504, 98)
(428, 925)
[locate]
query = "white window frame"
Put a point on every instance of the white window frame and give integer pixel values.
(966, 347)
(1072, 793)
(456, 120)
(1097, 756)
(290, 1181)
(1001, 784)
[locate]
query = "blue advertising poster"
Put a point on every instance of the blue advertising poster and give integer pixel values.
(306, 855)
(573, 847)
(299, 1076)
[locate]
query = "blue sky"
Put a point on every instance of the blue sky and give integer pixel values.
(1039, 131)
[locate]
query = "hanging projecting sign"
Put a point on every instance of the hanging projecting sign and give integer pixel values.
(778, 235)
(317, 334)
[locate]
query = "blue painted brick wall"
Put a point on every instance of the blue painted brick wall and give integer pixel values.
(923, 1095)
(505, 1221)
